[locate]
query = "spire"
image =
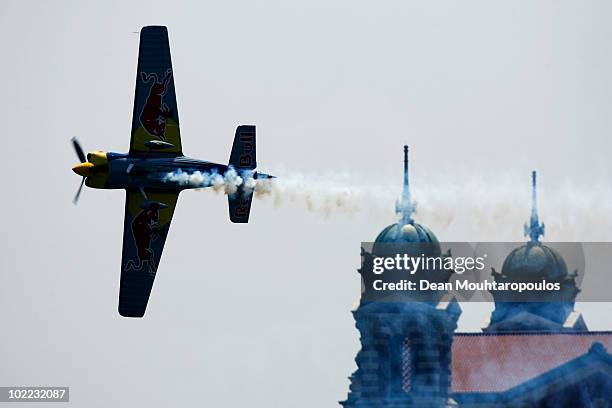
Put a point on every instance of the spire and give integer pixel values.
(405, 207)
(534, 229)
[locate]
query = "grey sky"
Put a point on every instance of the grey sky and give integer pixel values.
(258, 315)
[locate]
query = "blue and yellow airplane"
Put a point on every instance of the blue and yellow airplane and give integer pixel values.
(156, 152)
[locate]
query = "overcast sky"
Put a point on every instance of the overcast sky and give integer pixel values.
(259, 314)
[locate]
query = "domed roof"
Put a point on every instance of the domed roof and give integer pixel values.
(534, 260)
(406, 230)
(411, 232)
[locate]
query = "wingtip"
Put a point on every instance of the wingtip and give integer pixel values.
(130, 313)
(154, 28)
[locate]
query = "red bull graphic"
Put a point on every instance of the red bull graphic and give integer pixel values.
(247, 139)
(145, 229)
(155, 111)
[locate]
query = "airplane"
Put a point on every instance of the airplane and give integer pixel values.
(156, 152)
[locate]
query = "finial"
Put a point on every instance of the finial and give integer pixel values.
(405, 206)
(534, 229)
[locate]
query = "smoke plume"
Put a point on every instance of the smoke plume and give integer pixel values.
(492, 209)
(227, 183)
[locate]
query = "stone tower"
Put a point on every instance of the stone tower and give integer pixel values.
(535, 261)
(405, 356)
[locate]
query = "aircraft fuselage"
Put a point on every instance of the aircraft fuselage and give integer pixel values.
(121, 171)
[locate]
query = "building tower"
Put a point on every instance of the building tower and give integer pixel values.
(405, 356)
(534, 261)
(534, 229)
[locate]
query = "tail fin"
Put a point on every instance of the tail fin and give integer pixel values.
(242, 158)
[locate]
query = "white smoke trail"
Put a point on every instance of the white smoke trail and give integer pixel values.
(227, 183)
(326, 195)
(492, 209)
(475, 209)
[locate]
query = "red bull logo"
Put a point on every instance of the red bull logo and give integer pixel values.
(145, 230)
(155, 111)
(247, 140)
(243, 207)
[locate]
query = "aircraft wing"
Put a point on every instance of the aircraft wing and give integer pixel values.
(155, 116)
(145, 229)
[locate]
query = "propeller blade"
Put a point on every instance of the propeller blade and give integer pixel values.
(75, 200)
(78, 149)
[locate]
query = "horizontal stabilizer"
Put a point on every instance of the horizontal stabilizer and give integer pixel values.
(243, 149)
(240, 205)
